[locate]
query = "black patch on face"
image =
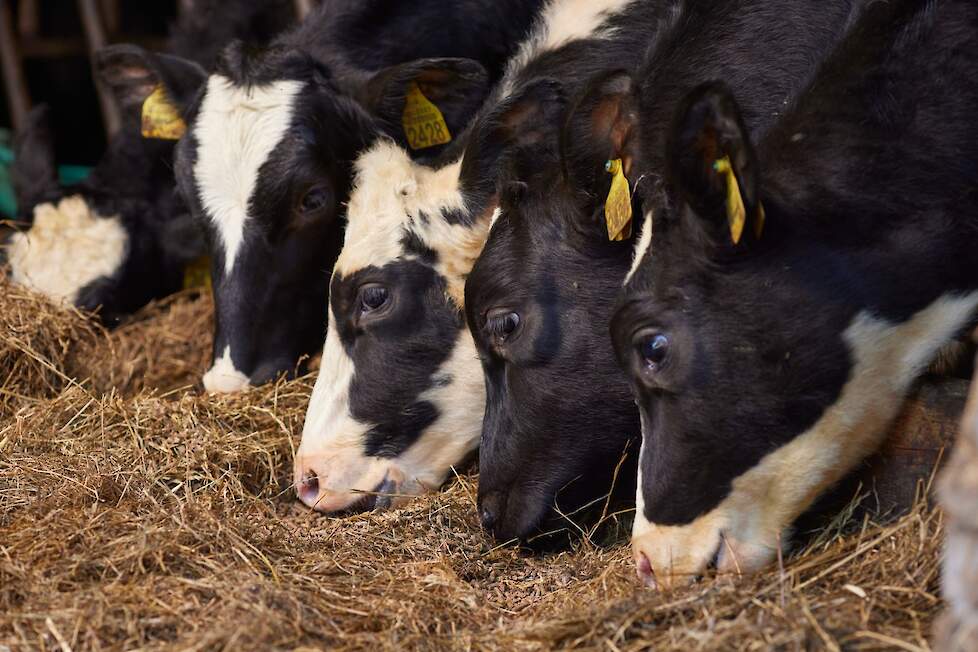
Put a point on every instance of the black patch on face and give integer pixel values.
(415, 246)
(396, 350)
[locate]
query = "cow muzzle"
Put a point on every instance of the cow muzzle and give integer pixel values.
(326, 488)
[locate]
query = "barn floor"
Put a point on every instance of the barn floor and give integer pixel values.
(136, 513)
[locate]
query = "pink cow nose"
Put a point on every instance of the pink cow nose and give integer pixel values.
(308, 488)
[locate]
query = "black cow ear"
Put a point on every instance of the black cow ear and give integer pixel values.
(712, 164)
(132, 74)
(601, 126)
(530, 116)
(34, 174)
(457, 87)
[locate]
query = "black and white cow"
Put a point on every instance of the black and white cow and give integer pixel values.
(122, 237)
(400, 397)
(560, 419)
(765, 370)
(266, 162)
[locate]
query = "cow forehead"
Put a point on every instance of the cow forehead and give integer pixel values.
(237, 129)
(394, 197)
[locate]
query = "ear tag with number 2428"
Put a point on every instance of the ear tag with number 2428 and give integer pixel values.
(618, 206)
(424, 124)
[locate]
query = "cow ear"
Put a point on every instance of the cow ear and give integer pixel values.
(601, 126)
(529, 117)
(457, 87)
(132, 74)
(34, 174)
(712, 164)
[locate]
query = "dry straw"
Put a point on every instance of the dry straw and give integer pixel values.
(136, 513)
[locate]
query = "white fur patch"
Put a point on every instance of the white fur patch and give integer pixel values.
(641, 246)
(223, 378)
(560, 22)
(67, 247)
(769, 497)
(236, 130)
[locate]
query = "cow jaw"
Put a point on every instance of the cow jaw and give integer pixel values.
(747, 528)
(68, 247)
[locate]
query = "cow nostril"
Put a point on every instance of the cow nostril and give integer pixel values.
(488, 519)
(308, 488)
(489, 513)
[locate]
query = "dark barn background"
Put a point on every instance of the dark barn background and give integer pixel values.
(49, 39)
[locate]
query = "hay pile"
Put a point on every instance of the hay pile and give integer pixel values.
(136, 513)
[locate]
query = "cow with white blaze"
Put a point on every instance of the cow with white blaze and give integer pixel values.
(561, 426)
(266, 162)
(123, 237)
(400, 397)
(768, 360)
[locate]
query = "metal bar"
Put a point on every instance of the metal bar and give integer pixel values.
(14, 84)
(302, 8)
(110, 16)
(28, 18)
(95, 35)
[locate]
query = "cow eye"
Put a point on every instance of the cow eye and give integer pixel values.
(653, 348)
(373, 297)
(315, 198)
(502, 324)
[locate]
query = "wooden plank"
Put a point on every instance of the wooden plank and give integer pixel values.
(891, 479)
(921, 437)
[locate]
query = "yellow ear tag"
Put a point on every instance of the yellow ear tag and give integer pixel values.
(160, 118)
(618, 206)
(197, 274)
(759, 220)
(424, 125)
(736, 213)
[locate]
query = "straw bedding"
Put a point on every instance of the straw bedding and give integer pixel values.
(136, 513)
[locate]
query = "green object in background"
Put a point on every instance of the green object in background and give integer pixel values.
(67, 174)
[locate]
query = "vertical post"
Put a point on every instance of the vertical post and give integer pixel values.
(28, 18)
(14, 84)
(302, 8)
(95, 36)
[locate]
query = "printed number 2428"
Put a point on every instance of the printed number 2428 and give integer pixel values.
(427, 134)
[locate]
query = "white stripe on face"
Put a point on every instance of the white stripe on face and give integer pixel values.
(67, 247)
(641, 247)
(767, 499)
(237, 129)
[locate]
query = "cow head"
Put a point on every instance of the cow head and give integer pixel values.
(559, 418)
(764, 370)
(116, 240)
(265, 166)
(399, 399)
